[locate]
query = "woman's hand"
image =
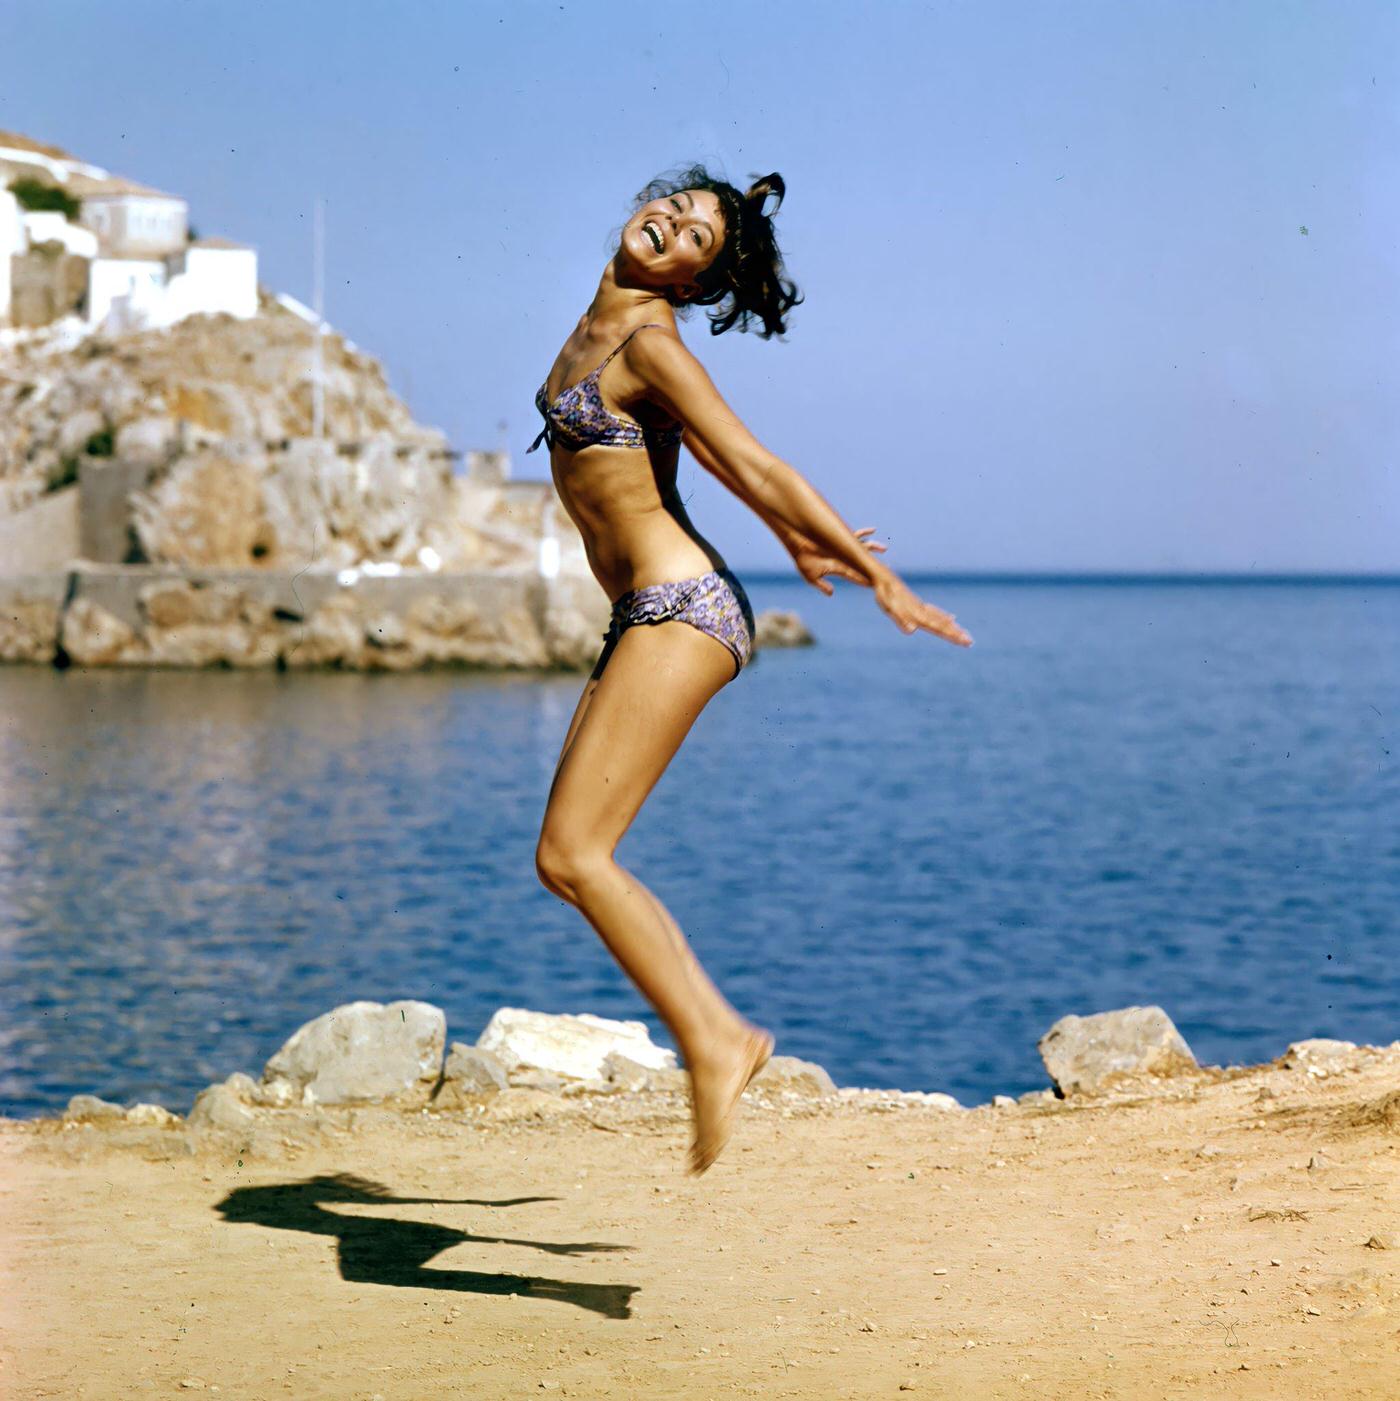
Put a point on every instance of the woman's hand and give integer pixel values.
(911, 613)
(814, 564)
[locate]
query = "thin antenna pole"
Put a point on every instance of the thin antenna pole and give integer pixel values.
(318, 409)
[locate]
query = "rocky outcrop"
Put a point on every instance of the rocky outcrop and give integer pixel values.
(366, 1064)
(1086, 1055)
(473, 1070)
(361, 1051)
(143, 616)
(567, 1046)
(31, 616)
(775, 627)
(792, 1078)
(192, 446)
(210, 378)
(1321, 1057)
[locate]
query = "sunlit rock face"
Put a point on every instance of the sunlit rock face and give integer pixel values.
(194, 447)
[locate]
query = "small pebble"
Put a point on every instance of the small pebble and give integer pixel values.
(1316, 1313)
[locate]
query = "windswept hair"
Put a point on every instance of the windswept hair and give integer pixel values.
(746, 278)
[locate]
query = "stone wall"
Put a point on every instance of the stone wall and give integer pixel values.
(42, 536)
(98, 615)
(45, 283)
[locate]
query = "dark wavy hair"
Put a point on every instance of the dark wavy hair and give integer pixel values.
(746, 278)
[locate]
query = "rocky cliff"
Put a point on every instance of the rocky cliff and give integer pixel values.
(195, 440)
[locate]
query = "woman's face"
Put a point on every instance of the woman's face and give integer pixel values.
(675, 238)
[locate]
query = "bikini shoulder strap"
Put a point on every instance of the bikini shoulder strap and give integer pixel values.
(629, 336)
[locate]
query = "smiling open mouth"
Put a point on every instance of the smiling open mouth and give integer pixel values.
(653, 233)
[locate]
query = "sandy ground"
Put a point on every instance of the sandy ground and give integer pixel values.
(1168, 1243)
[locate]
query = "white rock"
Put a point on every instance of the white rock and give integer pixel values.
(362, 1051)
(624, 1073)
(935, 1100)
(473, 1070)
(1320, 1054)
(569, 1045)
(791, 1077)
(1084, 1054)
(245, 1087)
(275, 1094)
(87, 1108)
(150, 1114)
(218, 1107)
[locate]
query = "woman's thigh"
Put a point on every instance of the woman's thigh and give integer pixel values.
(580, 710)
(658, 680)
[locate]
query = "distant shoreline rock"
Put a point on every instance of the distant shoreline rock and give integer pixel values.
(410, 620)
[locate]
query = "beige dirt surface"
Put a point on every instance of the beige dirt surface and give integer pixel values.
(1171, 1241)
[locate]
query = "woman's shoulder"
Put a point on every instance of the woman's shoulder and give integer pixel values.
(659, 352)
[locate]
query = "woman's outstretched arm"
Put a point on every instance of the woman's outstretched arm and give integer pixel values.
(813, 563)
(785, 499)
(779, 493)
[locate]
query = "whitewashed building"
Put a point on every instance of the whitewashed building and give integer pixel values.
(12, 241)
(144, 270)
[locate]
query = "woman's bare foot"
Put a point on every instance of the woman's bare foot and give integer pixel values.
(717, 1080)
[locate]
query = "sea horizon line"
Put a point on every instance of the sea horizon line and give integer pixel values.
(996, 576)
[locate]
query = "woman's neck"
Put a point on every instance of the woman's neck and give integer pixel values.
(619, 303)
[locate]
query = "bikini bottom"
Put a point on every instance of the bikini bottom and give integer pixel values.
(715, 603)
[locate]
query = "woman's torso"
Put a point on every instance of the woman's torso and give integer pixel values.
(623, 499)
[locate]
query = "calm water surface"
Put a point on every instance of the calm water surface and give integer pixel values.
(906, 858)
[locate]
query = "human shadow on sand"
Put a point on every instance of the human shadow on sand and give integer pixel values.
(377, 1251)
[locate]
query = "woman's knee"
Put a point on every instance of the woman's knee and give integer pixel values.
(566, 866)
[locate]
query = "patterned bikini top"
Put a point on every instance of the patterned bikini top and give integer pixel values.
(578, 418)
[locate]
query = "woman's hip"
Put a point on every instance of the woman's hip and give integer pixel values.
(714, 602)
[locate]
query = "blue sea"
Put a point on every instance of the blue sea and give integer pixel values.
(906, 858)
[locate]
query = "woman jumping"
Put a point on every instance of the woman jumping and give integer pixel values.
(692, 240)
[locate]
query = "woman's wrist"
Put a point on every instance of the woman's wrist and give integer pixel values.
(877, 572)
(792, 538)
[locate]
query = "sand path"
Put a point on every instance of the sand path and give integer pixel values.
(1175, 1244)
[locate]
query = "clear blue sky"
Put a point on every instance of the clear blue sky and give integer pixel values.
(1061, 311)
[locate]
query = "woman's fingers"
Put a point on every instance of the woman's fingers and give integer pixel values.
(911, 613)
(943, 624)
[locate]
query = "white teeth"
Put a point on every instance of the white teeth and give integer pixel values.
(655, 234)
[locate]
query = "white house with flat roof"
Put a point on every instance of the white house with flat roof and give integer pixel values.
(144, 270)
